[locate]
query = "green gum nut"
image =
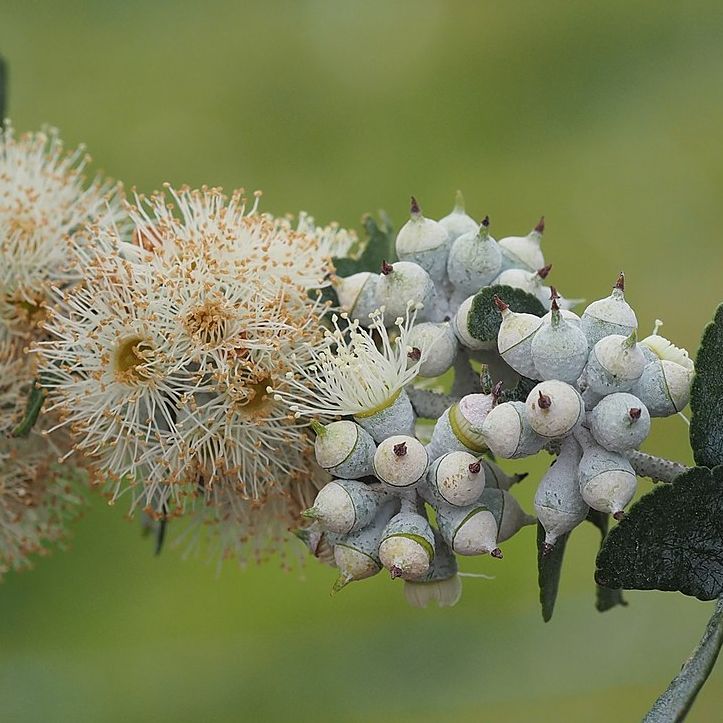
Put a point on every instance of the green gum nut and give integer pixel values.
(474, 261)
(458, 222)
(400, 283)
(407, 546)
(510, 517)
(441, 585)
(460, 325)
(400, 461)
(357, 554)
(559, 349)
(664, 387)
(554, 409)
(615, 363)
(395, 417)
(514, 339)
(344, 449)
(508, 434)
(424, 242)
(344, 505)
(357, 295)
(470, 530)
(558, 502)
(620, 422)
(611, 315)
(456, 478)
(524, 252)
(497, 478)
(460, 427)
(440, 347)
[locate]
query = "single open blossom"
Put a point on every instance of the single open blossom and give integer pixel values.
(44, 200)
(666, 350)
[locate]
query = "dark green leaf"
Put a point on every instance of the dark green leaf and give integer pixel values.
(380, 246)
(484, 318)
(672, 539)
(36, 398)
(548, 571)
(676, 701)
(706, 399)
(606, 598)
(517, 393)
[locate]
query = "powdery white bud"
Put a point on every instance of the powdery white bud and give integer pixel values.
(357, 295)
(424, 242)
(529, 281)
(469, 530)
(496, 477)
(461, 328)
(611, 315)
(616, 362)
(440, 347)
(554, 408)
(407, 546)
(607, 480)
(558, 502)
(458, 478)
(344, 449)
(460, 426)
(559, 348)
(508, 434)
(510, 517)
(441, 585)
(664, 387)
(524, 251)
(474, 261)
(514, 338)
(620, 422)
(400, 461)
(400, 284)
(344, 506)
(458, 222)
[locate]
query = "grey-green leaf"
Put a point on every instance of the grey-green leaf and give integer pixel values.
(549, 567)
(706, 399)
(380, 246)
(672, 539)
(606, 598)
(484, 318)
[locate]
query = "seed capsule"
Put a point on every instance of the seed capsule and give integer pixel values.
(508, 434)
(401, 283)
(529, 281)
(344, 505)
(395, 418)
(440, 347)
(611, 315)
(457, 478)
(664, 387)
(400, 461)
(554, 408)
(558, 502)
(407, 546)
(425, 243)
(615, 364)
(458, 222)
(441, 584)
(559, 349)
(524, 251)
(344, 449)
(469, 530)
(461, 328)
(357, 295)
(460, 427)
(620, 422)
(474, 261)
(510, 517)
(514, 339)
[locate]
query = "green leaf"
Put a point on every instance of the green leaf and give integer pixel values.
(518, 393)
(706, 398)
(36, 398)
(549, 567)
(672, 539)
(484, 318)
(380, 246)
(606, 598)
(674, 704)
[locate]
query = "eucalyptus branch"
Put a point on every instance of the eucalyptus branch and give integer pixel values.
(674, 704)
(658, 469)
(466, 380)
(429, 404)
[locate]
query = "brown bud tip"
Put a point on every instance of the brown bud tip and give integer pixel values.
(497, 553)
(496, 392)
(544, 401)
(387, 268)
(501, 306)
(400, 449)
(395, 572)
(414, 207)
(415, 353)
(547, 548)
(553, 293)
(544, 271)
(620, 283)
(619, 515)
(540, 228)
(635, 413)
(554, 306)
(474, 468)
(486, 221)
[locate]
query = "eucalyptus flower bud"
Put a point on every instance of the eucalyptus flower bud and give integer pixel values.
(458, 222)
(514, 338)
(558, 502)
(529, 281)
(461, 328)
(611, 315)
(407, 546)
(510, 517)
(344, 506)
(616, 362)
(664, 387)
(507, 432)
(620, 422)
(357, 295)
(457, 478)
(524, 251)
(400, 461)
(344, 449)
(474, 261)
(440, 347)
(460, 427)
(424, 242)
(469, 530)
(554, 409)
(441, 584)
(398, 285)
(397, 417)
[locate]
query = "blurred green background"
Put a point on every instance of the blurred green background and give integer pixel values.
(606, 117)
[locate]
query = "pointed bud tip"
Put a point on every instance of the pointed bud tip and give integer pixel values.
(318, 427)
(618, 515)
(474, 468)
(486, 221)
(496, 392)
(497, 553)
(540, 228)
(414, 207)
(635, 413)
(553, 293)
(395, 572)
(544, 401)
(340, 583)
(415, 353)
(387, 268)
(544, 271)
(459, 202)
(501, 305)
(620, 283)
(310, 514)
(400, 449)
